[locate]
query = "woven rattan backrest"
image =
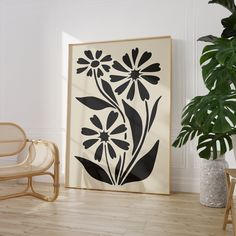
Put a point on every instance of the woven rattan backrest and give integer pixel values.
(12, 139)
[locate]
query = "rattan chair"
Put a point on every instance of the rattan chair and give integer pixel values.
(41, 157)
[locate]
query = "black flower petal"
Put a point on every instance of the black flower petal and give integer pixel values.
(116, 65)
(89, 54)
(99, 72)
(115, 78)
(90, 72)
(121, 144)
(106, 58)
(106, 68)
(143, 91)
(119, 129)
(152, 68)
(145, 57)
(111, 151)
(151, 79)
(80, 70)
(82, 61)
(95, 120)
(88, 143)
(111, 119)
(127, 61)
(134, 54)
(122, 87)
(130, 94)
(98, 153)
(87, 131)
(98, 53)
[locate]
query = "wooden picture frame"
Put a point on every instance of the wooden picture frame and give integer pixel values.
(119, 115)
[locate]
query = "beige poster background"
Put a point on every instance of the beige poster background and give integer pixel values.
(83, 85)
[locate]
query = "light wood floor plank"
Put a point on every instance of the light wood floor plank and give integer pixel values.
(98, 213)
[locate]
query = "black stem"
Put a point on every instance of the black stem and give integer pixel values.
(108, 166)
(110, 100)
(122, 168)
(140, 145)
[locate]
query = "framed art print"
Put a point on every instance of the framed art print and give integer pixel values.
(119, 105)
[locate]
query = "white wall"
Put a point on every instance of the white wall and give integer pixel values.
(34, 36)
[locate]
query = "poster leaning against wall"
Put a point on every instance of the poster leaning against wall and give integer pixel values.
(119, 105)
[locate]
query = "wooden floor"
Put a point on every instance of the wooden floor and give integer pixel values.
(97, 213)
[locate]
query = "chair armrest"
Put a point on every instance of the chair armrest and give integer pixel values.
(32, 155)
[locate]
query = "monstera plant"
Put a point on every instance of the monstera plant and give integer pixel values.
(212, 117)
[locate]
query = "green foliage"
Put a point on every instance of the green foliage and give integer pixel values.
(219, 64)
(228, 23)
(229, 4)
(212, 118)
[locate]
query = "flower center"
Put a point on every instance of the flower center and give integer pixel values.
(134, 74)
(104, 136)
(95, 64)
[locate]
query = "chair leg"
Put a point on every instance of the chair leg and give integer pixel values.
(229, 204)
(44, 197)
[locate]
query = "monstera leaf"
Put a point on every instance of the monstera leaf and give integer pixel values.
(213, 112)
(218, 64)
(229, 4)
(229, 24)
(188, 132)
(207, 145)
(208, 38)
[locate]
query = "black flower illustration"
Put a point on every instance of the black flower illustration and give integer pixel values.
(105, 135)
(134, 72)
(95, 62)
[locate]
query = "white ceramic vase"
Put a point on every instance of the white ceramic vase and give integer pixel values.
(213, 189)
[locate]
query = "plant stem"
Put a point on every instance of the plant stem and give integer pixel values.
(121, 169)
(139, 148)
(108, 166)
(109, 99)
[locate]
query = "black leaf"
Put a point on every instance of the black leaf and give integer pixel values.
(94, 170)
(94, 103)
(107, 88)
(154, 111)
(135, 124)
(143, 168)
(117, 170)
